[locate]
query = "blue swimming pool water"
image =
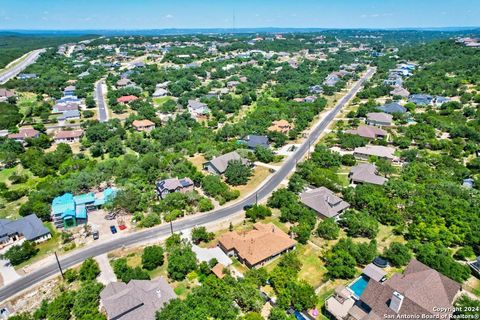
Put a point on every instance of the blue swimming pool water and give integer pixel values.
(359, 285)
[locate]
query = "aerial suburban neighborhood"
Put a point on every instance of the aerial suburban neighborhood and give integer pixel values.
(243, 173)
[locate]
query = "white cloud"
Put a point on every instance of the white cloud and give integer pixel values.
(168, 16)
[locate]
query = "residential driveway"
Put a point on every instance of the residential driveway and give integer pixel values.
(207, 254)
(9, 274)
(106, 275)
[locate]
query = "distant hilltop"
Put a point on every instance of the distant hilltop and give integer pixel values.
(174, 31)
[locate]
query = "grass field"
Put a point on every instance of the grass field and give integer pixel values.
(259, 175)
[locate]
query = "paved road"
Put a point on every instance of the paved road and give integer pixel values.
(102, 106)
(189, 222)
(13, 72)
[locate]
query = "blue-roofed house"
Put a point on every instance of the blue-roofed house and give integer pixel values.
(62, 206)
(393, 107)
(106, 196)
(69, 210)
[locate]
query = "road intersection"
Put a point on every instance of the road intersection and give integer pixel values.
(222, 214)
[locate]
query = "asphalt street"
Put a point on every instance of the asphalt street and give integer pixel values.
(99, 94)
(189, 222)
(13, 72)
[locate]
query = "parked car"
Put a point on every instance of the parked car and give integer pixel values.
(95, 235)
(122, 227)
(113, 229)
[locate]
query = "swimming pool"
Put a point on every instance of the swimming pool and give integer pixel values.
(359, 285)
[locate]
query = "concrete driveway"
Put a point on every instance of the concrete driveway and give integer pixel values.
(9, 274)
(106, 275)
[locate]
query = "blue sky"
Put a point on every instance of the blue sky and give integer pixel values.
(158, 14)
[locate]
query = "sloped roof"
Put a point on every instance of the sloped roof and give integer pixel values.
(254, 140)
(393, 107)
(424, 289)
(370, 132)
(24, 133)
(366, 172)
(324, 201)
(66, 134)
(263, 242)
(142, 123)
(221, 163)
(139, 299)
(374, 272)
(380, 117)
(378, 151)
(30, 226)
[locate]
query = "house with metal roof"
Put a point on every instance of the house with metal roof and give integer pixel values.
(69, 210)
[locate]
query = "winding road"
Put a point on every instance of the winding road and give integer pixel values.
(74, 258)
(12, 72)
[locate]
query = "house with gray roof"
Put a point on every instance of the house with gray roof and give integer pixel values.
(366, 173)
(392, 108)
(324, 202)
(252, 141)
(421, 99)
(69, 115)
(29, 228)
(382, 152)
(379, 119)
(219, 165)
(168, 186)
(139, 299)
(197, 108)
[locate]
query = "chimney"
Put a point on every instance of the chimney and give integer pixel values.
(396, 301)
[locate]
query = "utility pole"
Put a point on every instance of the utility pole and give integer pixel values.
(59, 266)
(171, 227)
(256, 198)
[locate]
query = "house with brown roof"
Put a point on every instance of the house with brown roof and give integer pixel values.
(256, 247)
(366, 173)
(218, 270)
(379, 119)
(282, 126)
(68, 136)
(369, 132)
(219, 165)
(324, 202)
(23, 134)
(419, 293)
(6, 94)
(143, 125)
(139, 299)
(127, 99)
